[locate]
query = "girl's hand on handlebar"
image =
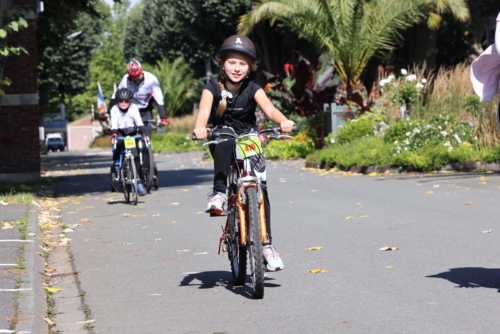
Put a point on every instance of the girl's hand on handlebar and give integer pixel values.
(286, 126)
(201, 133)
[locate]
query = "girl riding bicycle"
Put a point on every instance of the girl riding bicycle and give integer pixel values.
(126, 121)
(229, 101)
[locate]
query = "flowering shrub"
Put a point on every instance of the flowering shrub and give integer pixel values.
(403, 90)
(368, 124)
(439, 131)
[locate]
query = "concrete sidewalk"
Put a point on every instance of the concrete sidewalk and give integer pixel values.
(22, 299)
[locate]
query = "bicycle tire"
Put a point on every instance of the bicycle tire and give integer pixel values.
(155, 178)
(112, 179)
(134, 180)
(148, 172)
(126, 181)
(237, 254)
(254, 244)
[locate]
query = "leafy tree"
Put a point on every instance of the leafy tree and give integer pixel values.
(67, 32)
(351, 31)
(177, 84)
(193, 30)
(108, 63)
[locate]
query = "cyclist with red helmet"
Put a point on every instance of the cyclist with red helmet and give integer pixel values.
(230, 101)
(146, 90)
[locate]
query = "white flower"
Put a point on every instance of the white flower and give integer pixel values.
(406, 148)
(332, 140)
(439, 127)
(424, 80)
(391, 77)
(396, 142)
(411, 77)
(408, 133)
(458, 138)
(444, 133)
(407, 142)
(416, 130)
(450, 148)
(447, 144)
(419, 86)
(404, 72)
(383, 82)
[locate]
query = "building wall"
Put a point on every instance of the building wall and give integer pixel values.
(80, 137)
(19, 111)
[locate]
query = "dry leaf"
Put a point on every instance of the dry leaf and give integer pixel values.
(199, 213)
(365, 216)
(389, 267)
(313, 191)
(182, 250)
(200, 253)
(349, 217)
(167, 259)
(77, 202)
(50, 322)
(430, 192)
(436, 186)
(316, 271)
(106, 242)
(177, 203)
(185, 189)
(467, 203)
(388, 248)
(315, 248)
(174, 222)
(488, 231)
(373, 174)
(86, 220)
(52, 290)
(158, 239)
(85, 322)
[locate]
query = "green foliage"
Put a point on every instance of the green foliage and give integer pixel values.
(107, 66)
(300, 147)
(367, 124)
(351, 31)
(177, 84)
(174, 143)
(194, 30)
(64, 59)
(440, 130)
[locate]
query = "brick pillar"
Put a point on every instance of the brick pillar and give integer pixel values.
(19, 110)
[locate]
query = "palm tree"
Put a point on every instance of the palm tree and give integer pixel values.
(177, 84)
(351, 31)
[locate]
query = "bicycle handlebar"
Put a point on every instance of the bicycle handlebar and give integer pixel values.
(153, 122)
(275, 130)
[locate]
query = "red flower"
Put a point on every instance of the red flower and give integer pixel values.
(267, 86)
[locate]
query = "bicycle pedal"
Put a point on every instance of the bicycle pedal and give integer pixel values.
(222, 214)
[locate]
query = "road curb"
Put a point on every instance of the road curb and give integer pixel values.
(467, 166)
(32, 302)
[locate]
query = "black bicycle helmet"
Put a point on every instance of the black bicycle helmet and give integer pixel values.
(241, 44)
(124, 94)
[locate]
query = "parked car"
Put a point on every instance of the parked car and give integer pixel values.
(55, 144)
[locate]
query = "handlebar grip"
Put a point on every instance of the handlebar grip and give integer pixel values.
(193, 137)
(295, 128)
(210, 136)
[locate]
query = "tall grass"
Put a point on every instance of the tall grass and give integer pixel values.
(182, 125)
(450, 91)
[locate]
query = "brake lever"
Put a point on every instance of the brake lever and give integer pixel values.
(283, 136)
(216, 141)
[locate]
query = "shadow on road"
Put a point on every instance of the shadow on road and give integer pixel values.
(472, 277)
(222, 279)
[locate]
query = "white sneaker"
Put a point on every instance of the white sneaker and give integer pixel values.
(216, 203)
(272, 258)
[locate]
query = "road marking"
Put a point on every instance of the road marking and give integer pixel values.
(14, 240)
(8, 264)
(9, 331)
(27, 289)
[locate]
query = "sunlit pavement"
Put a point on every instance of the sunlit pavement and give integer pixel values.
(154, 268)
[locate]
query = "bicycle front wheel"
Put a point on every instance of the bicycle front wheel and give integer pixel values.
(237, 254)
(148, 172)
(255, 244)
(126, 178)
(134, 180)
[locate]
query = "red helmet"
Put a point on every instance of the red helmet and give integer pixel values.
(134, 68)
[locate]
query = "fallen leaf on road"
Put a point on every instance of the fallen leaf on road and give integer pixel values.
(200, 253)
(50, 322)
(388, 248)
(359, 203)
(173, 259)
(156, 215)
(77, 202)
(199, 213)
(373, 174)
(158, 239)
(38, 253)
(86, 220)
(174, 203)
(106, 242)
(315, 248)
(490, 171)
(174, 222)
(137, 254)
(430, 192)
(389, 267)
(488, 231)
(52, 290)
(349, 217)
(365, 216)
(137, 207)
(89, 207)
(85, 322)
(436, 186)
(127, 244)
(316, 271)
(467, 203)
(182, 250)
(154, 294)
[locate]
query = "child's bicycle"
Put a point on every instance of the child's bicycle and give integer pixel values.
(128, 177)
(245, 230)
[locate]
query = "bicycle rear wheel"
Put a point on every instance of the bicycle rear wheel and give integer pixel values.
(237, 254)
(147, 169)
(156, 181)
(254, 245)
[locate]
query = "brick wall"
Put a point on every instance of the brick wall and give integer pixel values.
(19, 110)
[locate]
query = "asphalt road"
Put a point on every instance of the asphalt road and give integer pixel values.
(154, 268)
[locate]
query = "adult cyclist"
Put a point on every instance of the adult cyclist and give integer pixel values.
(146, 89)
